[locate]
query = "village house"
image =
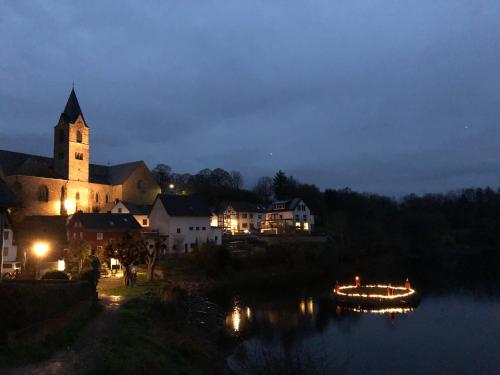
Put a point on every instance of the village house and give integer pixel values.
(140, 212)
(289, 216)
(239, 217)
(7, 246)
(49, 230)
(100, 229)
(67, 182)
(184, 221)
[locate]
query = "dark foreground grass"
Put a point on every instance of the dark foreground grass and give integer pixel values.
(30, 353)
(139, 346)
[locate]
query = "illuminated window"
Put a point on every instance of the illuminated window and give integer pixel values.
(43, 193)
(79, 136)
(99, 235)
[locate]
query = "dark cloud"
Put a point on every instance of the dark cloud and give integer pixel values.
(394, 98)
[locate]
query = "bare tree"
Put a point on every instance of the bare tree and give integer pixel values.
(264, 189)
(237, 180)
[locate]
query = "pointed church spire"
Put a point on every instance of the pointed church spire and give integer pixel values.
(72, 109)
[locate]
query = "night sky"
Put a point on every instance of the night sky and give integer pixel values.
(383, 96)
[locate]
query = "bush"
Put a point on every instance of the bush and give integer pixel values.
(27, 302)
(55, 275)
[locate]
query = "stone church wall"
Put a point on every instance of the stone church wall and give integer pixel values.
(140, 187)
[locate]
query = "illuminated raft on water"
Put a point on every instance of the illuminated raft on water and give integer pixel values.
(375, 295)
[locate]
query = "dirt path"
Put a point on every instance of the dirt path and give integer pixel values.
(80, 356)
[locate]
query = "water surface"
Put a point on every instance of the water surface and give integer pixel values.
(451, 333)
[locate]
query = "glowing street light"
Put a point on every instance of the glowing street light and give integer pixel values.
(40, 249)
(171, 186)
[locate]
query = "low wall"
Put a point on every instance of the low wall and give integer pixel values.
(31, 310)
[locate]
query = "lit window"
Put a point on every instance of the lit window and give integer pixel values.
(99, 236)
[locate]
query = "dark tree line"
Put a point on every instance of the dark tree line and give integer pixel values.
(361, 222)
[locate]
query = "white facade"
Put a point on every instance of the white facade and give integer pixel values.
(9, 252)
(287, 217)
(238, 221)
(183, 233)
(121, 208)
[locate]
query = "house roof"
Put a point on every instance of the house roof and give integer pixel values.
(241, 206)
(107, 221)
(7, 196)
(137, 209)
(184, 205)
(72, 109)
(289, 204)
(18, 163)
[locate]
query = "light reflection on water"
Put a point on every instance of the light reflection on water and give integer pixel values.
(444, 334)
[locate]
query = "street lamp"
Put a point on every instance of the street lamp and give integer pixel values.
(40, 249)
(171, 186)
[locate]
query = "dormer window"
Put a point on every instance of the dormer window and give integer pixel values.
(79, 136)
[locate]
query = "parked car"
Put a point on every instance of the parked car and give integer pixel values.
(11, 270)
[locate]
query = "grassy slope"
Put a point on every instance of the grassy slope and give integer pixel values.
(144, 341)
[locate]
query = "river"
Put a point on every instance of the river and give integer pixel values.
(456, 332)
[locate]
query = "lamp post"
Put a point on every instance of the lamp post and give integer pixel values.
(40, 249)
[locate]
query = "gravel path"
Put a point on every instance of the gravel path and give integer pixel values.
(79, 357)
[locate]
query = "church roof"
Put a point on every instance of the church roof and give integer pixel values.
(17, 163)
(72, 109)
(184, 205)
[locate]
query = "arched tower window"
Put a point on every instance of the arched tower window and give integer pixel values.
(97, 197)
(107, 198)
(43, 193)
(79, 136)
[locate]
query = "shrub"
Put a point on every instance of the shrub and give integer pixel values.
(55, 275)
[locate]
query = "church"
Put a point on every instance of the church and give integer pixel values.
(67, 182)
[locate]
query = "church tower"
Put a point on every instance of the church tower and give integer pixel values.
(71, 143)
